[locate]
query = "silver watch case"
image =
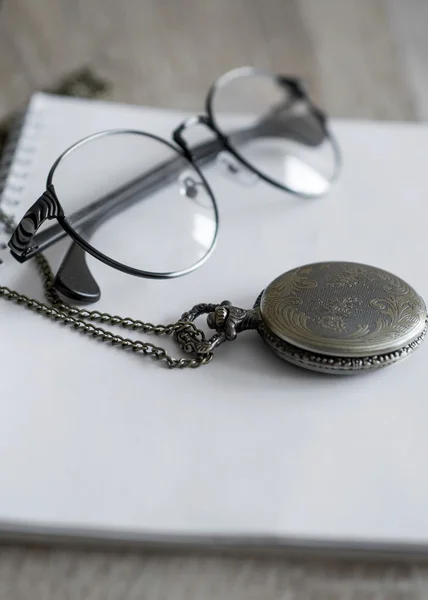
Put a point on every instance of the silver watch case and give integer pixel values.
(341, 317)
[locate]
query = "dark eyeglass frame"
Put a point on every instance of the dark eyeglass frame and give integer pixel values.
(74, 278)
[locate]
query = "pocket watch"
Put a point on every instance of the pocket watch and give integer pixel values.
(331, 317)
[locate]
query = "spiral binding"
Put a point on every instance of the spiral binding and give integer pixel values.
(17, 158)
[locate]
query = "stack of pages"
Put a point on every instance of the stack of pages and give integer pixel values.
(100, 443)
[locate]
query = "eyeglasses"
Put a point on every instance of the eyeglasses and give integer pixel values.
(165, 215)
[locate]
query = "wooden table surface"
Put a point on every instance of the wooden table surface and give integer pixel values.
(361, 58)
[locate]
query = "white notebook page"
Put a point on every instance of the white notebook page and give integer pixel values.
(98, 439)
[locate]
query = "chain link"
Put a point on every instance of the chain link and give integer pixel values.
(82, 320)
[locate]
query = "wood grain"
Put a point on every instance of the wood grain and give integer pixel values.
(361, 58)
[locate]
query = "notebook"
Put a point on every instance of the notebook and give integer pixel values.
(101, 445)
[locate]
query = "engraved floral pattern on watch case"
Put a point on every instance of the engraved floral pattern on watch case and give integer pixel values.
(343, 309)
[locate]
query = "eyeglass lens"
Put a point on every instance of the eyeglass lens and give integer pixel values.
(274, 132)
(138, 201)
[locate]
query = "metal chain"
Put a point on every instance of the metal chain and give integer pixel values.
(63, 313)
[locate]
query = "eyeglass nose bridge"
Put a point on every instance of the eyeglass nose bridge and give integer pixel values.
(217, 151)
(189, 123)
